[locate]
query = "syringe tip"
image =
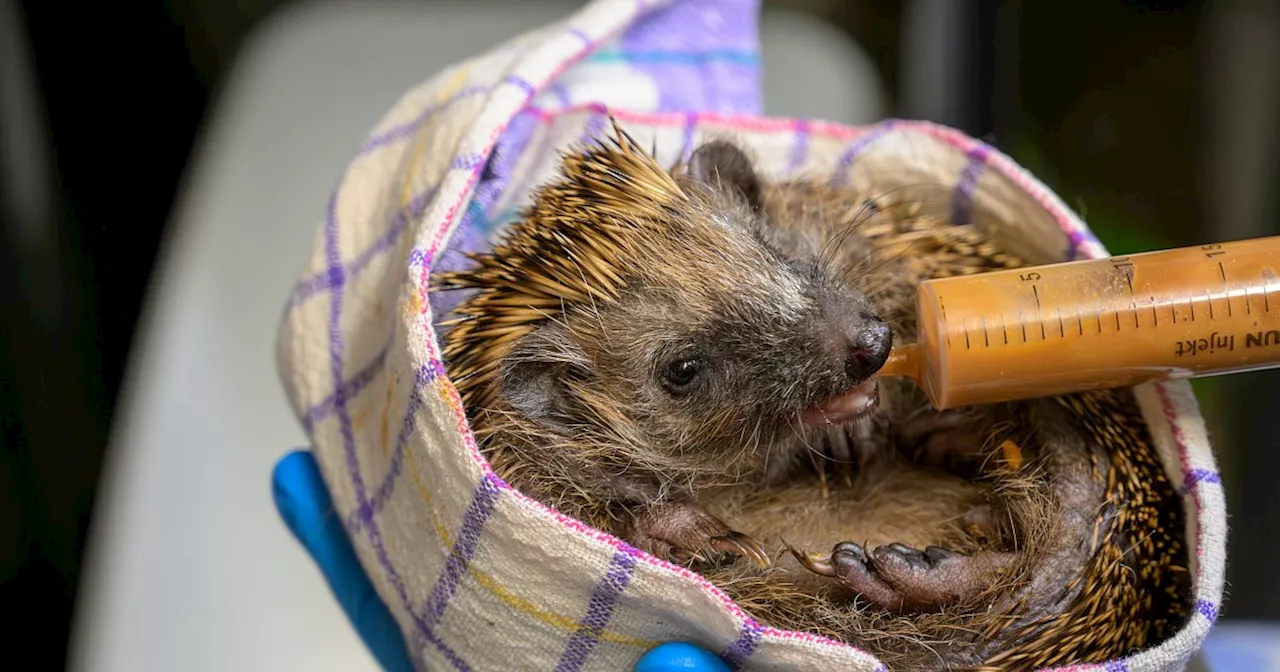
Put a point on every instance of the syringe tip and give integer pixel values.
(903, 362)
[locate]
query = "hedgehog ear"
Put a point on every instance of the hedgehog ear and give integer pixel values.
(534, 377)
(722, 165)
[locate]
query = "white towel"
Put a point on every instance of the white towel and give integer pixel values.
(479, 576)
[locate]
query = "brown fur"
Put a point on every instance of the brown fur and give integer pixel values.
(1082, 542)
(598, 281)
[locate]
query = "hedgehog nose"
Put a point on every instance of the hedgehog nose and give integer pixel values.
(868, 348)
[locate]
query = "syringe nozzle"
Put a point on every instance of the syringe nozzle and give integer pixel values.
(903, 362)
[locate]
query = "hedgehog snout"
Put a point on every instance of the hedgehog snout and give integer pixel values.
(869, 342)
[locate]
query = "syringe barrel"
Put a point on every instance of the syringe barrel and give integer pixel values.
(1103, 323)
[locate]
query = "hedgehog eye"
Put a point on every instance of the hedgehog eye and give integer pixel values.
(681, 373)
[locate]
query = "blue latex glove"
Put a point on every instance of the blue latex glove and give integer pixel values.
(304, 503)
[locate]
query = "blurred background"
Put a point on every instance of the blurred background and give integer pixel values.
(1156, 120)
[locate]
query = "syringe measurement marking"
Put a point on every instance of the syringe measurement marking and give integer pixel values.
(1125, 267)
(942, 307)
(1266, 290)
(1039, 313)
(1128, 279)
(1079, 315)
(1228, 293)
(1227, 288)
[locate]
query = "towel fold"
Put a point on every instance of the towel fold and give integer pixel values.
(479, 576)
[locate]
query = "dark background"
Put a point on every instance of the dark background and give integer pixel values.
(1117, 105)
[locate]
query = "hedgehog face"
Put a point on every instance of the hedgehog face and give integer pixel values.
(722, 343)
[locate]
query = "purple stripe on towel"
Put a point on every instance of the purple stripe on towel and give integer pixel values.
(840, 176)
(800, 148)
(322, 282)
(425, 376)
(1198, 476)
(686, 136)
(524, 84)
(406, 130)
(599, 611)
(700, 27)
(1207, 609)
(464, 547)
(741, 649)
(962, 201)
(336, 351)
(561, 94)
(350, 388)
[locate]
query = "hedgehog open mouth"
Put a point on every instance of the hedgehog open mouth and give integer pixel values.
(843, 408)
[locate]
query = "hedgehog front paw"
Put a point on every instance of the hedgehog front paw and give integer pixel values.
(682, 532)
(902, 579)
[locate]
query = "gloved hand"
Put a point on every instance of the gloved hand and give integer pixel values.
(304, 503)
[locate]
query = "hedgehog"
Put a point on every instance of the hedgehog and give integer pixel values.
(685, 358)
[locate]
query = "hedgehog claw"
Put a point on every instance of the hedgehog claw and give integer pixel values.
(684, 533)
(854, 568)
(818, 565)
(897, 577)
(902, 548)
(743, 545)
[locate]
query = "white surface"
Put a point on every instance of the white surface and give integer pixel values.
(189, 566)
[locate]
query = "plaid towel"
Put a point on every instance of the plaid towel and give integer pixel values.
(479, 576)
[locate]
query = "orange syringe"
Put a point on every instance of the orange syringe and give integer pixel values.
(1102, 323)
